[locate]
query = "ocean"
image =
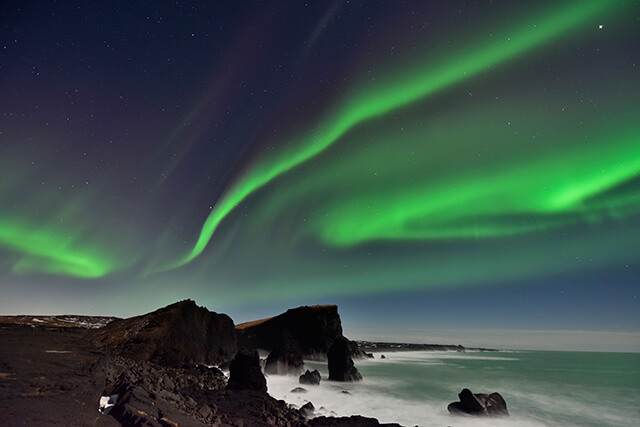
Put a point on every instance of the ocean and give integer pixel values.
(541, 388)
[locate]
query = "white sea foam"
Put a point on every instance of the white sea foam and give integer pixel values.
(369, 399)
(383, 393)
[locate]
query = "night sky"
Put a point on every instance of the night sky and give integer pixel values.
(441, 170)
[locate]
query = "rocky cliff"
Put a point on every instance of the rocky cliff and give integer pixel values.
(313, 328)
(177, 335)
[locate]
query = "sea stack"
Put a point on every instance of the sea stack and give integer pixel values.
(341, 366)
(245, 372)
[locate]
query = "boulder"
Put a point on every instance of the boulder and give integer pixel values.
(478, 404)
(285, 359)
(181, 334)
(245, 372)
(307, 410)
(299, 390)
(341, 366)
(310, 377)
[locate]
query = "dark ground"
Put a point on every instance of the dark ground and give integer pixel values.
(47, 377)
(55, 375)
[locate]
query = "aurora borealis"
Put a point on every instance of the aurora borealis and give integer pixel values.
(254, 156)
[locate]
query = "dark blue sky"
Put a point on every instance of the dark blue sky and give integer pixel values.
(442, 165)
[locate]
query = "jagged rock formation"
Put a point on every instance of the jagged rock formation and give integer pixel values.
(245, 372)
(285, 359)
(176, 335)
(309, 377)
(352, 421)
(146, 394)
(478, 404)
(313, 328)
(341, 366)
(140, 371)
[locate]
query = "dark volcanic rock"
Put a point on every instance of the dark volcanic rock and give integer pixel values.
(147, 369)
(285, 359)
(312, 328)
(177, 335)
(478, 404)
(245, 372)
(352, 421)
(341, 367)
(310, 377)
(307, 409)
(48, 377)
(152, 395)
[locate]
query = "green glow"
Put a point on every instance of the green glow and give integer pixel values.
(45, 250)
(399, 91)
(526, 196)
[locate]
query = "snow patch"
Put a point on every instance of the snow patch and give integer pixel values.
(107, 402)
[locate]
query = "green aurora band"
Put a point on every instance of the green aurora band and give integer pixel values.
(420, 213)
(46, 250)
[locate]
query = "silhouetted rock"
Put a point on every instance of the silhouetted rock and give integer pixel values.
(285, 359)
(307, 409)
(312, 328)
(177, 335)
(145, 371)
(299, 390)
(341, 367)
(382, 356)
(478, 404)
(310, 377)
(245, 372)
(352, 421)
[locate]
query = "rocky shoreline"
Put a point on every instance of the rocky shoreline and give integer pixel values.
(154, 370)
(181, 365)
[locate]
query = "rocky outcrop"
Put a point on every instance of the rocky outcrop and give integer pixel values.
(285, 359)
(177, 335)
(309, 377)
(352, 421)
(245, 372)
(341, 366)
(131, 374)
(146, 394)
(313, 328)
(478, 404)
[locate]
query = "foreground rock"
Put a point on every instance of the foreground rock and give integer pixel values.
(341, 366)
(245, 372)
(479, 404)
(352, 421)
(177, 335)
(310, 377)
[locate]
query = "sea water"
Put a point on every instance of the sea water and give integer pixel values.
(540, 388)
